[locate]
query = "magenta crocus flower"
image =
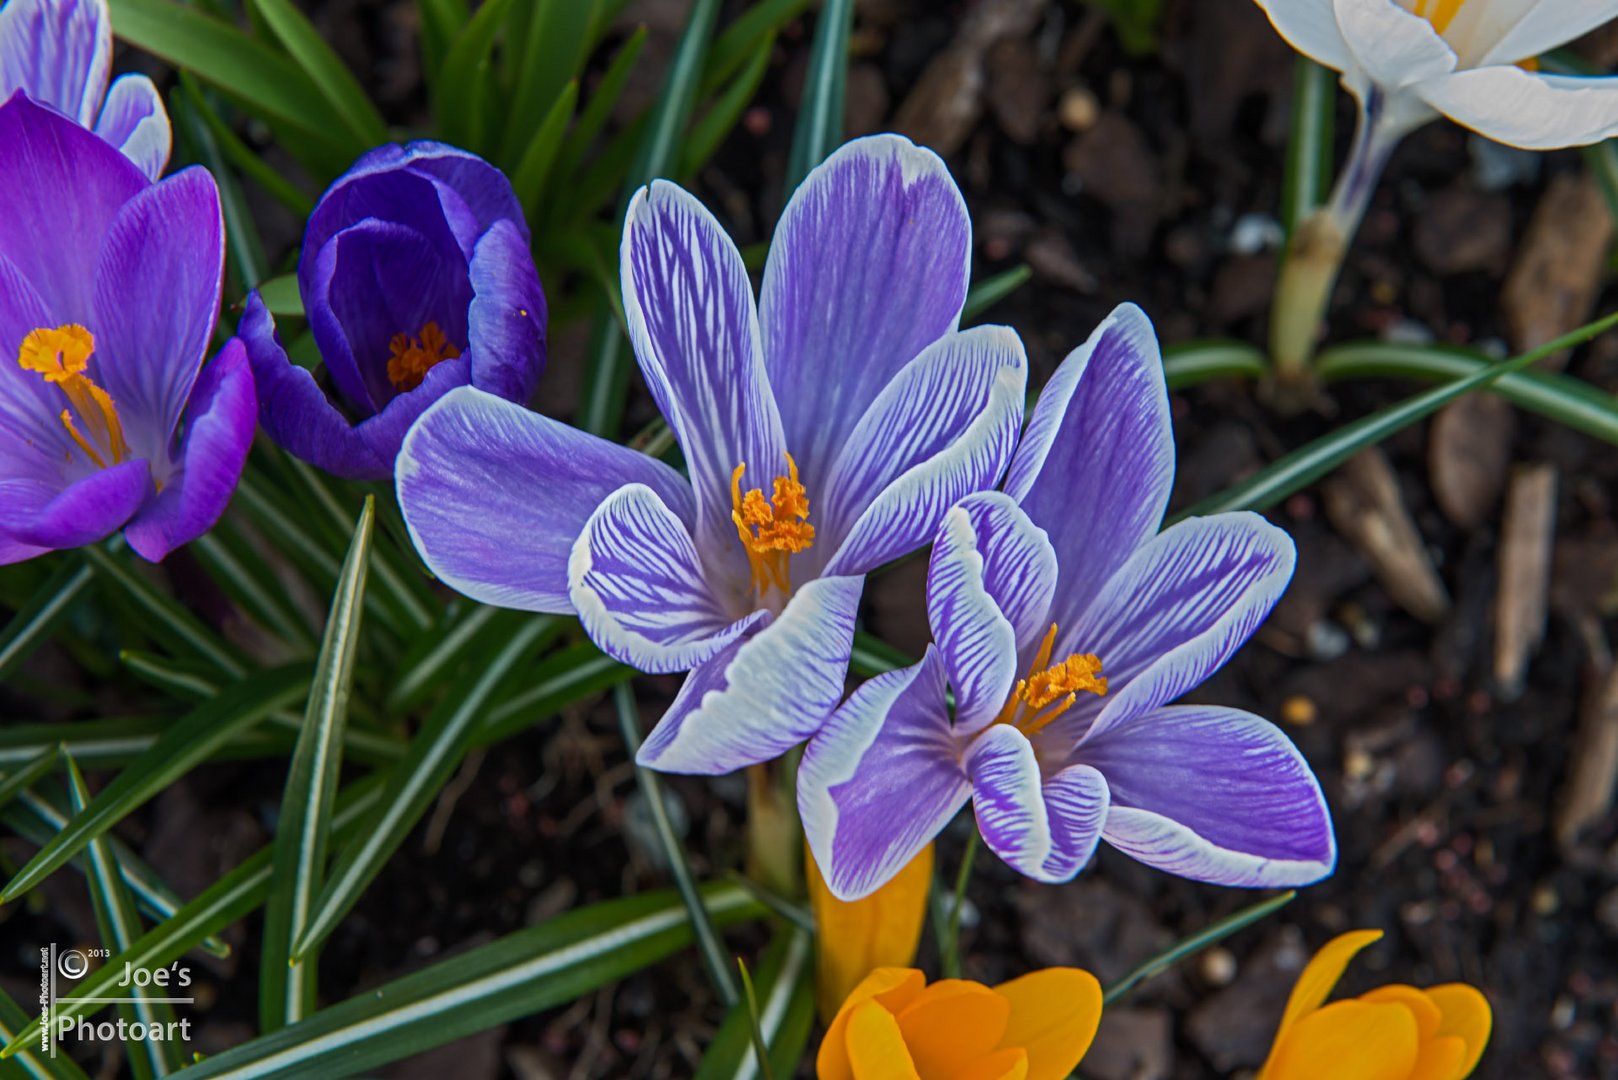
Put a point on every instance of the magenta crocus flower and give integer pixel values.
(59, 52)
(109, 291)
(416, 278)
(826, 430)
(1065, 623)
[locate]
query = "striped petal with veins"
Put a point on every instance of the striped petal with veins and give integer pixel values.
(1066, 624)
(825, 428)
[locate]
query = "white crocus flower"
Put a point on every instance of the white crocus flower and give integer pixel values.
(1407, 62)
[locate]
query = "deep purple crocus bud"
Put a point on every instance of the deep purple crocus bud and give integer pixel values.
(416, 278)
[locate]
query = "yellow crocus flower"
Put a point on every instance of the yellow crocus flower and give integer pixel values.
(896, 1027)
(1394, 1032)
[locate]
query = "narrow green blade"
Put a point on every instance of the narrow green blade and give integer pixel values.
(784, 985)
(1204, 361)
(119, 924)
(820, 118)
(1551, 394)
(186, 743)
(1303, 466)
(717, 123)
(287, 988)
(517, 975)
(1209, 935)
(989, 292)
(412, 785)
(709, 947)
(173, 622)
(219, 905)
(218, 53)
(328, 74)
(607, 378)
(52, 602)
(29, 1061)
(1308, 173)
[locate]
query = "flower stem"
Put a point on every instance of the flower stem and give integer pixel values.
(950, 949)
(774, 836)
(1315, 254)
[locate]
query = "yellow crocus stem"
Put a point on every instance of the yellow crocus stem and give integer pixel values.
(854, 938)
(1315, 254)
(774, 834)
(1303, 292)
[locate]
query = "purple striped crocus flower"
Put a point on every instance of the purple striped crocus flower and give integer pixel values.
(1065, 623)
(109, 291)
(826, 431)
(59, 52)
(416, 278)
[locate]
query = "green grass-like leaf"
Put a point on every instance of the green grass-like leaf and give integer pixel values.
(183, 745)
(607, 377)
(738, 42)
(1552, 395)
(557, 43)
(534, 168)
(172, 622)
(50, 603)
(328, 73)
(218, 53)
(517, 975)
(709, 132)
(119, 924)
(599, 107)
(990, 291)
(413, 784)
(1204, 361)
(1210, 935)
(29, 1062)
(709, 947)
(466, 72)
(1307, 464)
(21, 779)
(37, 817)
(219, 905)
(287, 988)
(565, 677)
(820, 118)
(784, 1007)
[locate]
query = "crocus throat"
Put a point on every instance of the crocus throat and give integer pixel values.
(772, 530)
(1439, 12)
(413, 357)
(61, 356)
(1051, 689)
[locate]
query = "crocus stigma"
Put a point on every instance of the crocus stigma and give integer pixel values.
(825, 428)
(1065, 623)
(108, 417)
(416, 278)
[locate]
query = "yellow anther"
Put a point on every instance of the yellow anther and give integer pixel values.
(413, 357)
(772, 530)
(61, 355)
(1051, 689)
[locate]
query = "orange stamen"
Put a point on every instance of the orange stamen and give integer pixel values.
(61, 356)
(413, 357)
(1051, 689)
(772, 530)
